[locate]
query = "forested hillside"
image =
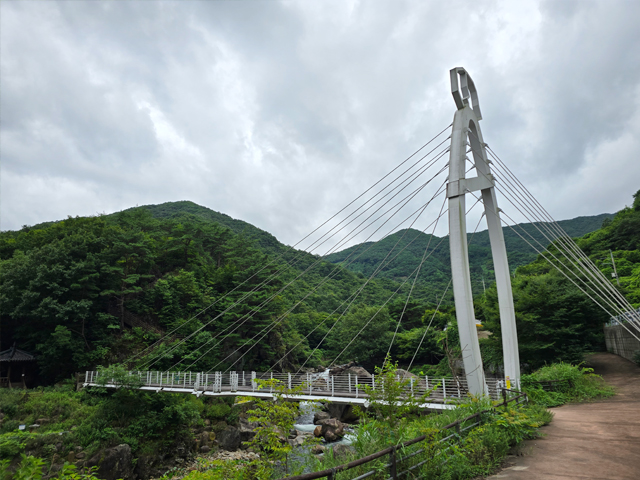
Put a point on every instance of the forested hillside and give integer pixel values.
(88, 291)
(221, 293)
(436, 271)
(555, 320)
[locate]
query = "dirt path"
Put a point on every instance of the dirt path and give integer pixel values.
(599, 440)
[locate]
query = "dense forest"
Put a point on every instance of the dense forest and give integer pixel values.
(181, 286)
(555, 320)
(436, 271)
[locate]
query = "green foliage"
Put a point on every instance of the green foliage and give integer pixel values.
(31, 468)
(577, 384)
(390, 400)
(435, 273)
(274, 419)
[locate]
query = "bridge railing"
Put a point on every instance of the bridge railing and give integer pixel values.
(314, 384)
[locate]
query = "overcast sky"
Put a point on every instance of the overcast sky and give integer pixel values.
(280, 112)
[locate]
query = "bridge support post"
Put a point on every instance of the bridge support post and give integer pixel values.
(466, 133)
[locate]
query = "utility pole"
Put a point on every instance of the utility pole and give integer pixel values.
(615, 272)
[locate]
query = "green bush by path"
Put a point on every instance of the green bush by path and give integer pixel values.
(577, 384)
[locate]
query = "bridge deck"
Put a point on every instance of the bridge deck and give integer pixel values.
(443, 393)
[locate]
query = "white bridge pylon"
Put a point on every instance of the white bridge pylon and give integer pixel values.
(467, 135)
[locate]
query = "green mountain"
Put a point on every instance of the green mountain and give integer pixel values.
(436, 271)
(185, 208)
(556, 321)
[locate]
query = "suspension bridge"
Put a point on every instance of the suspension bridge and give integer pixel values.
(454, 165)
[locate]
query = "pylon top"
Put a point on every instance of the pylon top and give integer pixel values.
(468, 90)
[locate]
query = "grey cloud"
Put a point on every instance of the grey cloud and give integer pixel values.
(280, 112)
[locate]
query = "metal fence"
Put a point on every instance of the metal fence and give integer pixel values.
(324, 385)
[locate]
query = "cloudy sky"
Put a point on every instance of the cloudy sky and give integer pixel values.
(280, 112)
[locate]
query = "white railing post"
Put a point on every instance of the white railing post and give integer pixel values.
(331, 378)
(309, 383)
(289, 377)
(253, 381)
(356, 386)
(412, 386)
(349, 383)
(373, 382)
(243, 382)
(271, 390)
(444, 388)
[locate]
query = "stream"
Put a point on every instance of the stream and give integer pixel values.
(304, 423)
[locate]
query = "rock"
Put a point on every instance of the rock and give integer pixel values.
(78, 448)
(212, 436)
(229, 439)
(246, 428)
(205, 449)
(344, 413)
(317, 449)
(345, 370)
(58, 446)
(296, 442)
(207, 422)
(318, 416)
(317, 431)
(144, 466)
(42, 421)
(204, 439)
(80, 455)
(341, 450)
(71, 458)
(113, 463)
(331, 429)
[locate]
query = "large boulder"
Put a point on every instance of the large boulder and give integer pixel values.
(319, 416)
(229, 439)
(344, 413)
(246, 428)
(331, 430)
(113, 463)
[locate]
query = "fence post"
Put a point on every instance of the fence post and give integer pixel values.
(331, 379)
(349, 383)
(253, 381)
(504, 397)
(412, 386)
(444, 388)
(393, 470)
(289, 378)
(356, 386)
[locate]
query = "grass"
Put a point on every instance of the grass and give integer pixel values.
(580, 385)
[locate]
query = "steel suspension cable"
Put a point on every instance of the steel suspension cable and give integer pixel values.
(304, 238)
(257, 288)
(363, 286)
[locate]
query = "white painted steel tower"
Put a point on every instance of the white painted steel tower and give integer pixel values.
(467, 135)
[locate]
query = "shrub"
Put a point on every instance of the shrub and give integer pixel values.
(580, 384)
